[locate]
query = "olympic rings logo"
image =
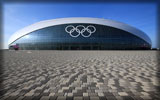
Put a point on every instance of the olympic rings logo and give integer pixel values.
(80, 29)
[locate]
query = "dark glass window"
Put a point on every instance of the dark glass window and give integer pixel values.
(56, 38)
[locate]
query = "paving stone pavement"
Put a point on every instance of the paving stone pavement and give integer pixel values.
(80, 75)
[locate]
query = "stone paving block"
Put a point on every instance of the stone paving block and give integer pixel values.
(111, 98)
(85, 94)
(100, 94)
(53, 97)
(28, 98)
(78, 98)
(29, 94)
(122, 93)
(93, 94)
(61, 98)
(146, 97)
(11, 98)
(65, 88)
(51, 94)
(94, 98)
(102, 98)
(45, 98)
(20, 98)
(127, 98)
(70, 94)
(69, 98)
(86, 98)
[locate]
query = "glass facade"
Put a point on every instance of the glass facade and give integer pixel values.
(57, 38)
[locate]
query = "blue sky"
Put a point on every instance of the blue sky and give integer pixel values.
(140, 15)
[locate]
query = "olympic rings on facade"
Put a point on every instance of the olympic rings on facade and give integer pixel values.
(80, 29)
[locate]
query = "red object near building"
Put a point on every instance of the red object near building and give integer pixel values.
(16, 47)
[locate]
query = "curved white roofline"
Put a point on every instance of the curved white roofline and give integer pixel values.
(106, 22)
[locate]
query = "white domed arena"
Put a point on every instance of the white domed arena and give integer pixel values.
(80, 34)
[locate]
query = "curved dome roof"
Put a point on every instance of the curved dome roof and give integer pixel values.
(106, 22)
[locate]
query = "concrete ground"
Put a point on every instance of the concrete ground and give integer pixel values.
(80, 75)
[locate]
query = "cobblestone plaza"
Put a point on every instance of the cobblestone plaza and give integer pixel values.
(80, 75)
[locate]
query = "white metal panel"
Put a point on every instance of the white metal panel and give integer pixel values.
(47, 23)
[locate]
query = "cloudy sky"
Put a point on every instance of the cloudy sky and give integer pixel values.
(140, 15)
